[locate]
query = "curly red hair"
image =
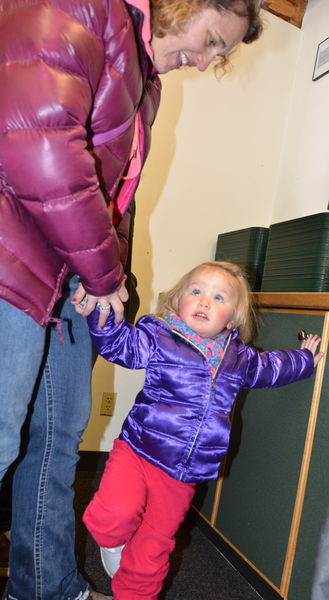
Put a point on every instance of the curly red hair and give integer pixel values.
(171, 17)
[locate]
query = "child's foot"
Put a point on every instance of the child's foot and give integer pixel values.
(111, 558)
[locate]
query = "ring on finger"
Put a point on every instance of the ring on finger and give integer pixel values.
(108, 307)
(83, 302)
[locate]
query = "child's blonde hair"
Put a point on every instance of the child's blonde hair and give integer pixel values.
(243, 319)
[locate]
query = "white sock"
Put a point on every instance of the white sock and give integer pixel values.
(111, 559)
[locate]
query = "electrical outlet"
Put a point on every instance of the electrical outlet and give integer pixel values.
(108, 403)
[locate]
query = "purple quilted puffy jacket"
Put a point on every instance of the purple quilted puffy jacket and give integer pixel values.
(78, 98)
(180, 421)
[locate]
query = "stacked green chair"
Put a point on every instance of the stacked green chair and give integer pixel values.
(247, 248)
(297, 258)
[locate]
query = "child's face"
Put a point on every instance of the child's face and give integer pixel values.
(209, 301)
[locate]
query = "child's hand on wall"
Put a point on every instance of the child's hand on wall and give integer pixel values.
(311, 343)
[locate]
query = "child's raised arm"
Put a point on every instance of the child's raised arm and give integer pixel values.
(311, 342)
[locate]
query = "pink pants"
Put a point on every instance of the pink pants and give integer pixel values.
(138, 505)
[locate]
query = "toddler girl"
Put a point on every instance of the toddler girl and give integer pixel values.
(177, 433)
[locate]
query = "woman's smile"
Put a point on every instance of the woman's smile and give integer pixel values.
(208, 34)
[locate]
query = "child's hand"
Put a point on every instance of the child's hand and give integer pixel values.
(311, 343)
(84, 303)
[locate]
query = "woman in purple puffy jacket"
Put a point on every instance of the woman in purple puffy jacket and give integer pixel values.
(79, 93)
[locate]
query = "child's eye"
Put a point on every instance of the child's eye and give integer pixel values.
(218, 298)
(195, 292)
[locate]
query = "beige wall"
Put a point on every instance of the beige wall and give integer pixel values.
(303, 186)
(246, 151)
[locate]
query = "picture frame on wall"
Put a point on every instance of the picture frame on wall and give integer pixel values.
(321, 66)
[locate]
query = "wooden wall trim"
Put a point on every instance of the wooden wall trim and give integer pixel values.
(311, 300)
(290, 10)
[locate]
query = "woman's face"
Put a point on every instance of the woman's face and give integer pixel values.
(208, 34)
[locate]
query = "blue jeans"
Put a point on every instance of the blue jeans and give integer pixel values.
(45, 387)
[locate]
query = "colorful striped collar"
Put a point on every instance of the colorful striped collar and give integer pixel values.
(213, 349)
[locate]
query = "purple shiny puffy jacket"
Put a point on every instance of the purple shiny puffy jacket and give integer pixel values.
(180, 421)
(77, 91)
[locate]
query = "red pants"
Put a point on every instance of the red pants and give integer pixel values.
(138, 505)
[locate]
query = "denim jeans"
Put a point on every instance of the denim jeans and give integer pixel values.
(47, 385)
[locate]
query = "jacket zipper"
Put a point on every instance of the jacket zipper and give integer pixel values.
(212, 384)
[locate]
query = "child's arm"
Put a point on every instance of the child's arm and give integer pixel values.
(280, 367)
(122, 343)
(311, 342)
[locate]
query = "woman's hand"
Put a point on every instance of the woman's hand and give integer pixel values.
(84, 303)
(311, 343)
